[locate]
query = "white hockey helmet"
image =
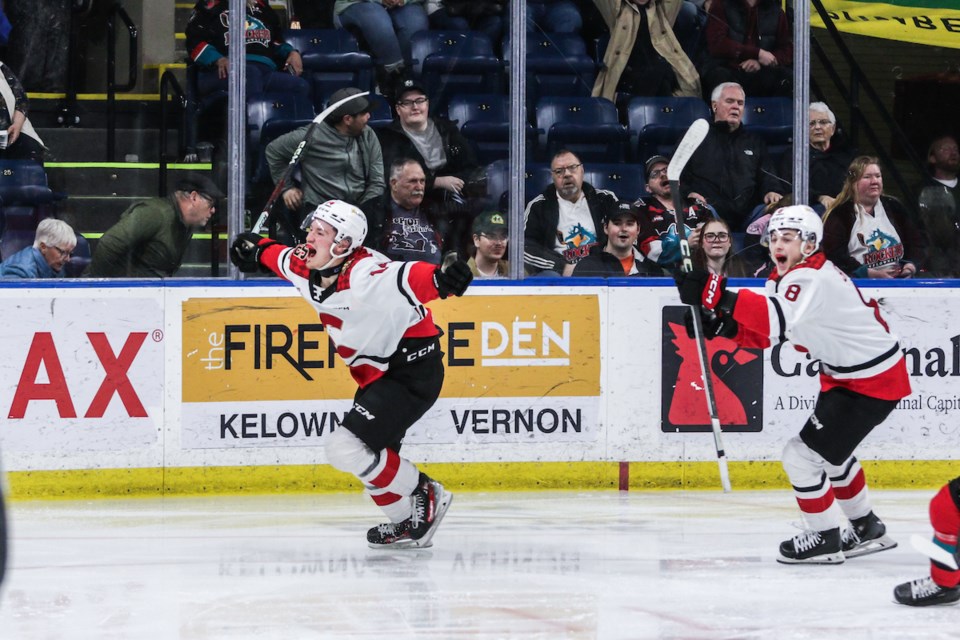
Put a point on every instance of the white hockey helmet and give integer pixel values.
(348, 220)
(800, 218)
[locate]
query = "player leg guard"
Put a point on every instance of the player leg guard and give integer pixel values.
(850, 487)
(806, 470)
(945, 518)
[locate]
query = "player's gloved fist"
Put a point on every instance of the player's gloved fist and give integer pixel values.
(246, 250)
(698, 287)
(453, 280)
(714, 325)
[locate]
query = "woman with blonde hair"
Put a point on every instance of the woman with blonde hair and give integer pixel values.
(868, 234)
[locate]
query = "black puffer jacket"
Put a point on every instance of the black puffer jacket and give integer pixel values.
(461, 161)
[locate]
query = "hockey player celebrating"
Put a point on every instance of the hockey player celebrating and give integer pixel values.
(942, 586)
(814, 305)
(373, 310)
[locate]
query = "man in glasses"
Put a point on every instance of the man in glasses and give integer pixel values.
(564, 222)
(658, 240)
(52, 248)
(490, 237)
(152, 236)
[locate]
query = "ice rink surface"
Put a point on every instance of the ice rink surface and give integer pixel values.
(680, 565)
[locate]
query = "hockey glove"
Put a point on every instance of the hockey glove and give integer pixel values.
(707, 289)
(713, 325)
(247, 249)
(453, 280)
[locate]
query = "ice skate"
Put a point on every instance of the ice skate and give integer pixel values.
(430, 504)
(924, 592)
(812, 547)
(395, 535)
(865, 536)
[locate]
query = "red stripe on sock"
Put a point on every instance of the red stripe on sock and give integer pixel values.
(816, 505)
(850, 491)
(383, 499)
(385, 477)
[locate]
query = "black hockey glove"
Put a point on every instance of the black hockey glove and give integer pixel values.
(246, 250)
(453, 280)
(707, 289)
(713, 325)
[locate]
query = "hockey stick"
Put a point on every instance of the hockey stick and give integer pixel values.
(927, 547)
(265, 214)
(691, 140)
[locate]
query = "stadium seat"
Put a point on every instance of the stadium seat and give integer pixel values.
(451, 63)
(624, 179)
(81, 258)
(199, 108)
(269, 115)
(484, 120)
(24, 183)
(331, 60)
(590, 127)
(536, 179)
(557, 65)
(659, 123)
(381, 113)
(771, 119)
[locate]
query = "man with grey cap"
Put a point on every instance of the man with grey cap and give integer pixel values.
(151, 237)
(342, 160)
(658, 240)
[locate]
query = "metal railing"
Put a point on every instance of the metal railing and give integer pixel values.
(133, 33)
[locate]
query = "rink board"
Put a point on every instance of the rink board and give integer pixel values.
(207, 386)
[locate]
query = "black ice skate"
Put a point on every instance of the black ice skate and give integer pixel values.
(430, 504)
(812, 547)
(866, 535)
(390, 534)
(924, 592)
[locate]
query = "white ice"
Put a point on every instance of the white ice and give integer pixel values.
(681, 565)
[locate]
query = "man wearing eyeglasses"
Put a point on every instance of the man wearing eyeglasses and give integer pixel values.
(564, 222)
(152, 236)
(490, 238)
(659, 241)
(52, 248)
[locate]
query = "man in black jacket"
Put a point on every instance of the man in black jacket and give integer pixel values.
(731, 169)
(566, 220)
(619, 257)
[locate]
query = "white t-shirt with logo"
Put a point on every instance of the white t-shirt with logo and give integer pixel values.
(576, 232)
(874, 241)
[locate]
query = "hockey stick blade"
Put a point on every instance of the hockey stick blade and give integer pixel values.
(691, 141)
(295, 158)
(927, 547)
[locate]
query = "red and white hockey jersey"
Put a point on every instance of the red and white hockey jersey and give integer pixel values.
(817, 307)
(374, 303)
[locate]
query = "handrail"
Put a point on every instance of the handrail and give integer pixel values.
(168, 85)
(858, 80)
(117, 10)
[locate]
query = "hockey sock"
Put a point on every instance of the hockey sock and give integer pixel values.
(811, 488)
(945, 518)
(390, 482)
(850, 488)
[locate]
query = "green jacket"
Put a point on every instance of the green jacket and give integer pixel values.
(148, 241)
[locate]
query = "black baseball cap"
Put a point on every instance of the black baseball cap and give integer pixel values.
(351, 108)
(648, 165)
(200, 183)
(623, 210)
(406, 87)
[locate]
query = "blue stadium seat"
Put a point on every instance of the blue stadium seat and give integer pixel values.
(381, 113)
(331, 60)
(771, 118)
(557, 65)
(590, 127)
(199, 107)
(24, 182)
(659, 123)
(273, 113)
(624, 179)
(536, 179)
(484, 120)
(451, 63)
(20, 227)
(81, 258)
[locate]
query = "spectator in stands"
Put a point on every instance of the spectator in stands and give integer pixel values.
(619, 257)
(939, 205)
(39, 47)
(749, 42)
(868, 234)
(715, 252)
(485, 16)
(272, 64)
(731, 170)
(566, 220)
(658, 240)
(341, 161)
(151, 237)
(490, 238)
(943, 159)
(22, 141)
(644, 57)
(407, 227)
(553, 16)
(386, 26)
(52, 248)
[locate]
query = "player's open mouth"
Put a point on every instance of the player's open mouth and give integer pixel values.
(781, 259)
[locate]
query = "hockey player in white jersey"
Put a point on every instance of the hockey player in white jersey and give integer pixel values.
(811, 303)
(373, 311)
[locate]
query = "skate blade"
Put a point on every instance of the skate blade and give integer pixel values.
(871, 546)
(403, 544)
(442, 506)
(827, 558)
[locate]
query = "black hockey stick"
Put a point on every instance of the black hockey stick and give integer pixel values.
(691, 140)
(278, 189)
